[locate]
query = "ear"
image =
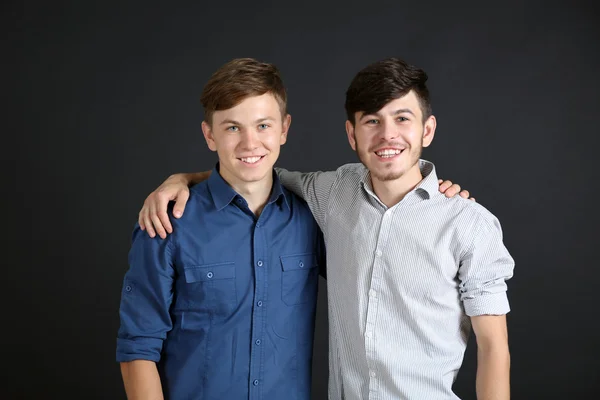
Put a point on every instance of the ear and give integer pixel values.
(208, 136)
(350, 133)
(429, 131)
(287, 121)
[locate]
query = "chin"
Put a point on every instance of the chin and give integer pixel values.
(255, 176)
(388, 176)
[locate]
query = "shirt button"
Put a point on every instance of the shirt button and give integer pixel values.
(378, 253)
(128, 288)
(259, 303)
(301, 264)
(372, 374)
(373, 293)
(209, 275)
(257, 342)
(255, 383)
(258, 224)
(259, 263)
(369, 334)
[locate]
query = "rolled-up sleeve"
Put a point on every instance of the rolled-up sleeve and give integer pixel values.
(146, 298)
(484, 270)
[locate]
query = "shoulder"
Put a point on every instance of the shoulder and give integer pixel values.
(352, 169)
(353, 173)
(199, 191)
(293, 200)
(298, 206)
(468, 210)
(199, 202)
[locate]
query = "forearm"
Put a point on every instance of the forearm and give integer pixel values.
(493, 373)
(141, 380)
(193, 178)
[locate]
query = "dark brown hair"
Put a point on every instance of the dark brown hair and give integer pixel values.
(238, 79)
(386, 80)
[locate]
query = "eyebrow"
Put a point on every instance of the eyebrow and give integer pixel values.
(403, 110)
(258, 121)
(229, 121)
(397, 112)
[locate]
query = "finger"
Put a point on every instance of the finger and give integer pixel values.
(165, 223)
(182, 198)
(141, 219)
(464, 194)
(473, 199)
(157, 225)
(445, 185)
(148, 224)
(439, 181)
(161, 213)
(452, 190)
(160, 230)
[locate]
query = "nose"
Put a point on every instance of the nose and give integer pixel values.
(388, 131)
(250, 139)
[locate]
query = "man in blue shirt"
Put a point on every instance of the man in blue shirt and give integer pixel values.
(224, 307)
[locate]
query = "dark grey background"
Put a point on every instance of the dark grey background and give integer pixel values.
(100, 104)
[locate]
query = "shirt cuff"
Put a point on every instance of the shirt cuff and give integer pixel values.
(489, 304)
(139, 349)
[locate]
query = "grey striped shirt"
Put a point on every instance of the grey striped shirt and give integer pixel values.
(402, 282)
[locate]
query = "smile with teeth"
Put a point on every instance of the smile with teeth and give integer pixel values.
(251, 160)
(388, 153)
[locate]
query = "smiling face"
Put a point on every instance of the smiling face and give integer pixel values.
(389, 141)
(247, 138)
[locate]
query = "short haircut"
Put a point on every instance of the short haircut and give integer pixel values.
(386, 80)
(238, 79)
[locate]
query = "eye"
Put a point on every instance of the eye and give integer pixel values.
(372, 122)
(402, 119)
(233, 128)
(263, 126)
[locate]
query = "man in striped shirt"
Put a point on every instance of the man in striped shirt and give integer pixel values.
(410, 271)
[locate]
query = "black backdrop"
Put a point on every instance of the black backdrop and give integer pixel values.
(100, 104)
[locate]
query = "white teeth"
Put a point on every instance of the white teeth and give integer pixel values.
(250, 160)
(387, 153)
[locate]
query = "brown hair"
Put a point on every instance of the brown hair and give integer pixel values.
(379, 83)
(238, 79)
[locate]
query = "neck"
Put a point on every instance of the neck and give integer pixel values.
(256, 193)
(393, 191)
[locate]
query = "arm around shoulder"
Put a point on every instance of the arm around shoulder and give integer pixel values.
(313, 187)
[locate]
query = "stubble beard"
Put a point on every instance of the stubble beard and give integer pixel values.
(385, 176)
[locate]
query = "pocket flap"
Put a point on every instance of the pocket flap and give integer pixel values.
(299, 262)
(209, 272)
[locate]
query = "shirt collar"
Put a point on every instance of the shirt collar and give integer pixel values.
(428, 186)
(223, 194)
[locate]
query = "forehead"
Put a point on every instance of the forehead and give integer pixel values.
(251, 108)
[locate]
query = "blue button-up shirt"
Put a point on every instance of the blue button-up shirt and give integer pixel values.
(226, 304)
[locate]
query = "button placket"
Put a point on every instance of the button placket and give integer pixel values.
(260, 293)
(373, 301)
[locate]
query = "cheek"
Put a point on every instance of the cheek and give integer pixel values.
(272, 140)
(227, 145)
(364, 143)
(412, 134)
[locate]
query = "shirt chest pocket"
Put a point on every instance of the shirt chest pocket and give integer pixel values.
(209, 288)
(299, 278)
